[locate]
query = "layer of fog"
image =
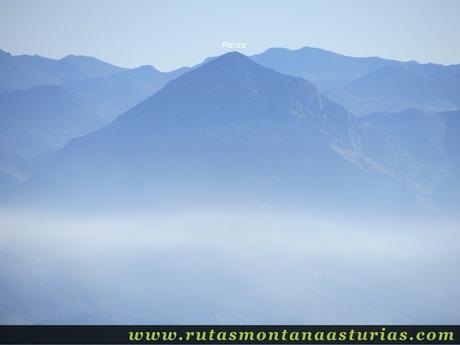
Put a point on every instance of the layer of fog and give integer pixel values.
(226, 266)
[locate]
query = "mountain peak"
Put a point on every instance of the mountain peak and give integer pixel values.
(236, 67)
(80, 59)
(233, 97)
(234, 55)
(76, 57)
(146, 68)
(234, 73)
(232, 70)
(232, 58)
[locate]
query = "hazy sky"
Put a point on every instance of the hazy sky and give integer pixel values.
(170, 34)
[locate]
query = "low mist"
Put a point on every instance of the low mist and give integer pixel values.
(219, 265)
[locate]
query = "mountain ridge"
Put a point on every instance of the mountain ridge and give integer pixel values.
(231, 119)
(26, 71)
(362, 84)
(229, 129)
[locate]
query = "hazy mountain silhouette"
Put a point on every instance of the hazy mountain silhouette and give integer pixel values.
(45, 118)
(422, 146)
(370, 84)
(396, 88)
(26, 71)
(323, 68)
(229, 130)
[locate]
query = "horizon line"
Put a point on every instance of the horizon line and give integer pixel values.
(55, 58)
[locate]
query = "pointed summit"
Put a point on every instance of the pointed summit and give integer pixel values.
(231, 66)
(233, 88)
(232, 58)
(229, 57)
(232, 78)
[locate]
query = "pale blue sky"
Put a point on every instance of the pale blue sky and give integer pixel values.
(170, 34)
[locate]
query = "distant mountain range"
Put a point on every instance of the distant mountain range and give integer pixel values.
(232, 129)
(370, 84)
(26, 71)
(397, 88)
(429, 143)
(46, 117)
(327, 70)
(44, 102)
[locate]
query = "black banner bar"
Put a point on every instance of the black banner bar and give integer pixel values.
(238, 334)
